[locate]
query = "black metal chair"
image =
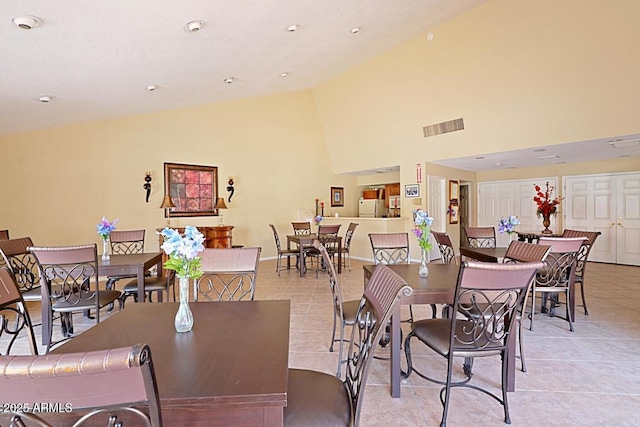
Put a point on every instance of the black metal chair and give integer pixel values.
(346, 246)
(320, 399)
(229, 274)
(488, 296)
(69, 280)
(23, 265)
(583, 257)
(328, 237)
(344, 312)
(14, 316)
(282, 252)
(112, 387)
(445, 247)
(558, 275)
(481, 237)
(124, 242)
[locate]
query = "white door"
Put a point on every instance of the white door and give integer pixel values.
(609, 204)
(505, 198)
(628, 219)
(437, 208)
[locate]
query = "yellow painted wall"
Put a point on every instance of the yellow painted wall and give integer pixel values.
(521, 73)
(59, 182)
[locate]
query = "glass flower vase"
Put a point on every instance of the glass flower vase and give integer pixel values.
(423, 271)
(106, 246)
(184, 318)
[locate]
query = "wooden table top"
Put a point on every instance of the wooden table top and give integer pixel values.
(438, 288)
(236, 355)
(483, 254)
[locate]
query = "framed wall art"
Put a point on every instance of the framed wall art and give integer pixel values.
(337, 196)
(193, 189)
(412, 190)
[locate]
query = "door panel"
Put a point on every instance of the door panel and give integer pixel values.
(628, 220)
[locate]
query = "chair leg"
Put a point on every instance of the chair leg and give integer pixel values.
(505, 403)
(520, 345)
(584, 301)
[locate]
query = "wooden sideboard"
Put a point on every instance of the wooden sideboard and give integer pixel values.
(214, 237)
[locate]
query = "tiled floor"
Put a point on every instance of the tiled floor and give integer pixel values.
(590, 377)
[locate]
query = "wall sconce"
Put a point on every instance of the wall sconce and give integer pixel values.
(230, 188)
(220, 204)
(147, 185)
(167, 204)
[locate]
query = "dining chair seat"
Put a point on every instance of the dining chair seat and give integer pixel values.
(326, 403)
(151, 284)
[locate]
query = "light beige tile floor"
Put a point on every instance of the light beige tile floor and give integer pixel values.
(590, 377)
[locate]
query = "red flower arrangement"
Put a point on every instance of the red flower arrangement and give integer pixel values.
(546, 205)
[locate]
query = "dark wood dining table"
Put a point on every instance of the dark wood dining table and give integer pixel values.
(137, 264)
(483, 254)
(531, 236)
(438, 288)
(230, 370)
(306, 240)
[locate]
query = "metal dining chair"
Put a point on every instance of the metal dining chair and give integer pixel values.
(583, 257)
(282, 252)
(346, 246)
(320, 399)
(481, 237)
(23, 265)
(69, 280)
(97, 388)
(14, 316)
(229, 274)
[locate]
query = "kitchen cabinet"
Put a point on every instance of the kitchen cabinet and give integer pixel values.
(391, 190)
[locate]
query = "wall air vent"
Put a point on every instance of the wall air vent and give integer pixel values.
(444, 127)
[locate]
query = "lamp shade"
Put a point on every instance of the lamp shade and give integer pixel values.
(220, 204)
(167, 202)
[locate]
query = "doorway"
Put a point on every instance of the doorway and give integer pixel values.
(464, 213)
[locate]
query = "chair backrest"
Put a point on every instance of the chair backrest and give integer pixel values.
(348, 236)
(69, 274)
(328, 237)
(301, 227)
(560, 266)
(14, 316)
(481, 237)
(390, 248)
(336, 290)
(381, 295)
(102, 382)
(526, 252)
(329, 229)
(583, 255)
(127, 241)
(276, 237)
(495, 291)
(4, 234)
(22, 263)
(229, 274)
(445, 246)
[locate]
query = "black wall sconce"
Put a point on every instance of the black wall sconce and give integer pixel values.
(147, 185)
(230, 188)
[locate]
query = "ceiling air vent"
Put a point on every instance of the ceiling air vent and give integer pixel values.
(444, 127)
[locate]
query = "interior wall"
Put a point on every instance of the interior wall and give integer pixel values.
(60, 182)
(520, 73)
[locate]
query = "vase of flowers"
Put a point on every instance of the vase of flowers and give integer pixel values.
(508, 225)
(104, 230)
(547, 205)
(317, 220)
(183, 253)
(422, 230)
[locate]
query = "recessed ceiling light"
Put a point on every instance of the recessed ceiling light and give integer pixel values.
(429, 37)
(285, 74)
(498, 164)
(193, 26)
(151, 88)
(229, 80)
(292, 28)
(355, 30)
(554, 156)
(45, 98)
(27, 22)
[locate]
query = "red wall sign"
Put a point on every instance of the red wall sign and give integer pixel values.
(418, 173)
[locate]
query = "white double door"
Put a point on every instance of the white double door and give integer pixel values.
(505, 198)
(609, 204)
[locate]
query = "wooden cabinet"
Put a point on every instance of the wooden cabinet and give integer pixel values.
(391, 190)
(214, 237)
